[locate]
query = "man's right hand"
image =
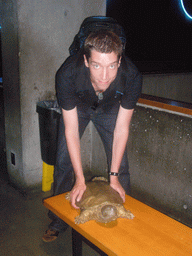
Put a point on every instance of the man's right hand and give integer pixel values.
(70, 118)
(77, 193)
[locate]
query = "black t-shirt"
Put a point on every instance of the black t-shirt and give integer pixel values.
(74, 88)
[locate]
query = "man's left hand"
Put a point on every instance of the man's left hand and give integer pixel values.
(114, 183)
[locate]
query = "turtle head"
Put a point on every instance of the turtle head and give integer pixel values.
(108, 213)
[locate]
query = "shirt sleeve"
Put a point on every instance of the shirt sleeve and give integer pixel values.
(133, 86)
(64, 81)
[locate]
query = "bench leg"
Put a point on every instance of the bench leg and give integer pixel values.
(77, 240)
(76, 243)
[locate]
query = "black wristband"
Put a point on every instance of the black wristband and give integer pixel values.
(114, 173)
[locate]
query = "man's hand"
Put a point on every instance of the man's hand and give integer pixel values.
(114, 183)
(77, 192)
(70, 118)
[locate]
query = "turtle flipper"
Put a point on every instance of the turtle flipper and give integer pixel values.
(84, 216)
(67, 196)
(123, 213)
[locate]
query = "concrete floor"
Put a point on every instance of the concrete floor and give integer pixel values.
(22, 224)
(23, 219)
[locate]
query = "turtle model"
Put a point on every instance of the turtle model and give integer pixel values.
(100, 202)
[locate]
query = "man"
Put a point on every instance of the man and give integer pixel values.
(98, 84)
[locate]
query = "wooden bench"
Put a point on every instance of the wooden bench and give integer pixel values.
(149, 233)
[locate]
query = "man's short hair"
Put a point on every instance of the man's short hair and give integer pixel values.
(103, 41)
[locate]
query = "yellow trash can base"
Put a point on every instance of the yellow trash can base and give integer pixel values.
(47, 178)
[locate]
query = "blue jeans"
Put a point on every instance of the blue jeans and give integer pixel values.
(64, 174)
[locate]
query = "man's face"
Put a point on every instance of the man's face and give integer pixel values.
(103, 69)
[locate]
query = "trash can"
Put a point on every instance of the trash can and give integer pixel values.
(49, 116)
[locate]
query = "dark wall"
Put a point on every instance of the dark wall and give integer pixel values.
(157, 32)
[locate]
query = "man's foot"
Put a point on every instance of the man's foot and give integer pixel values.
(50, 235)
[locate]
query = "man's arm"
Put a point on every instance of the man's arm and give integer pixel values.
(70, 118)
(120, 138)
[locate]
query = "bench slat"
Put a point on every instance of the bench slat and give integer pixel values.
(149, 233)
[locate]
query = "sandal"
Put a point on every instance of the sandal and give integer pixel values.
(50, 235)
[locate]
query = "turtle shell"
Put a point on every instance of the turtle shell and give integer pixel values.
(97, 193)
